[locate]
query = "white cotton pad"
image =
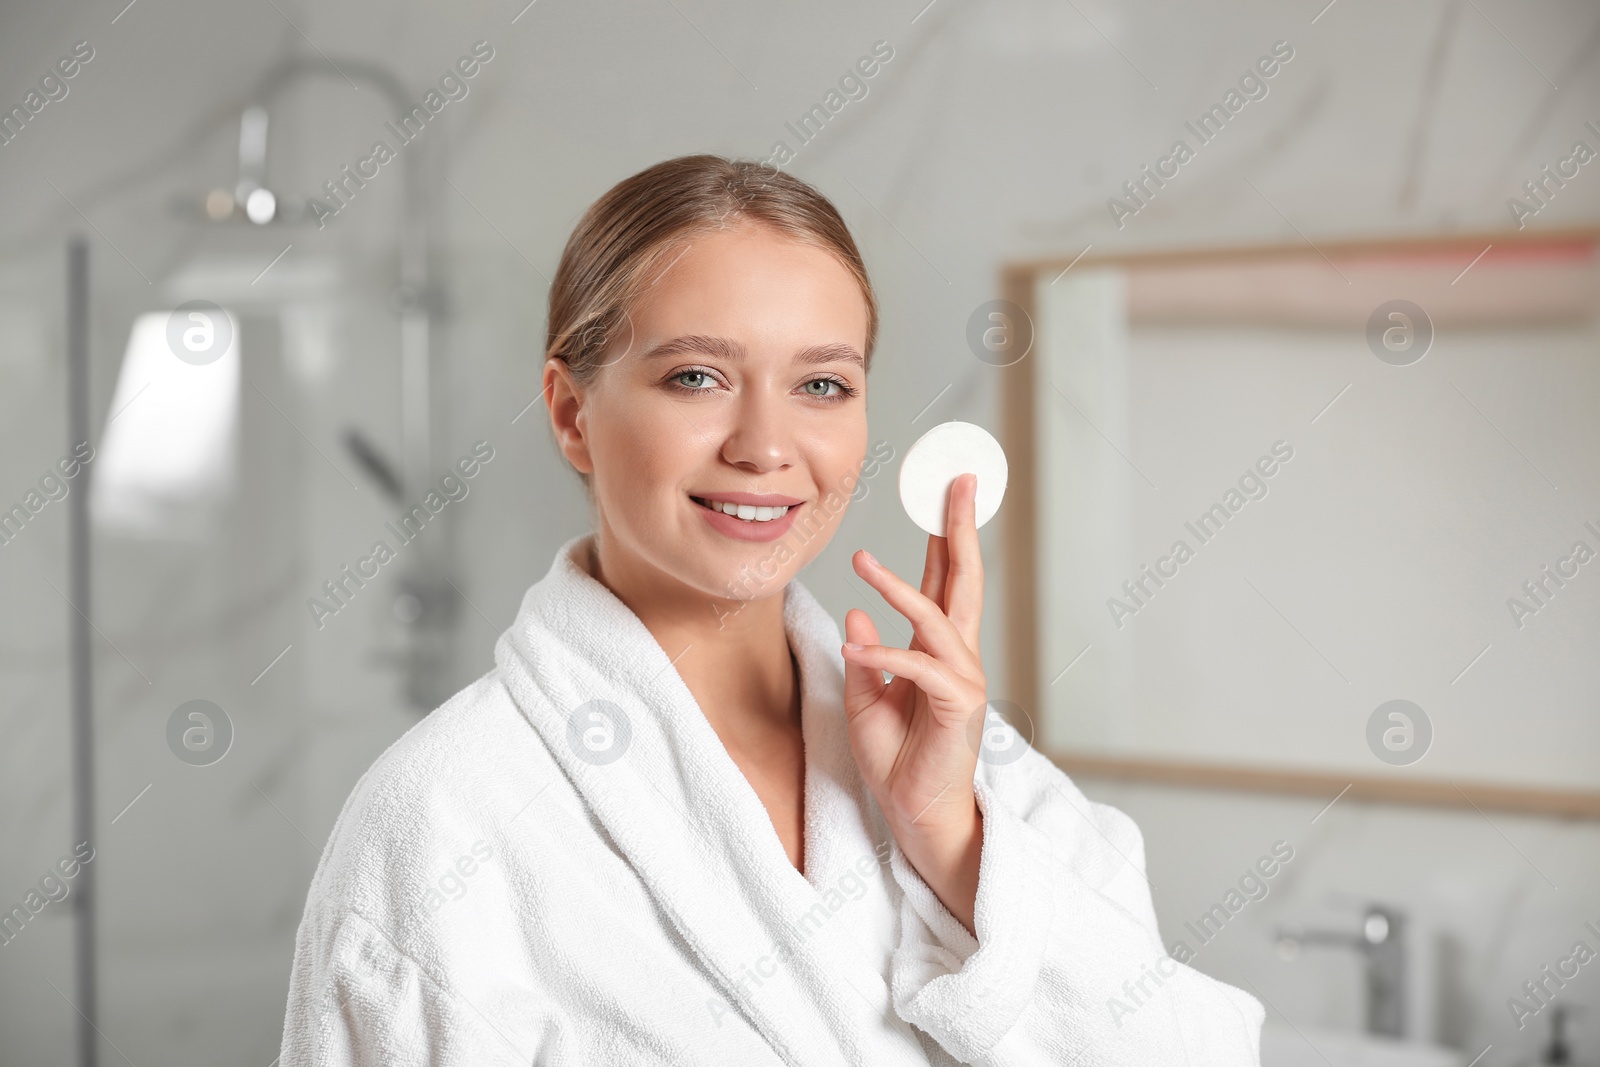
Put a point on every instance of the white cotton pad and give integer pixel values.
(937, 459)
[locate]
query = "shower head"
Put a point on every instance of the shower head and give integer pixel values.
(251, 201)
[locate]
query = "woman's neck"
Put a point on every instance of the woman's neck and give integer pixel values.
(733, 655)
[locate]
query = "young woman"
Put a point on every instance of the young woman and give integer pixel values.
(681, 821)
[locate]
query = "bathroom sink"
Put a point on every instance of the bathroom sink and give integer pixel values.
(1309, 1046)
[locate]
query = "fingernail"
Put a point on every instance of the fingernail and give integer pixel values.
(853, 647)
(870, 557)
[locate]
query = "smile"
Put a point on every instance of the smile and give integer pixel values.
(739, 520)
(747, 512)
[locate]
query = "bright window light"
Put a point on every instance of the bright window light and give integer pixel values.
(167, 455)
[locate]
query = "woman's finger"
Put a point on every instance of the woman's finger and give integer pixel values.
(931, 676)
(933, 574)
(963, 601)
(862, 684)
(934, 631)
(935, 568)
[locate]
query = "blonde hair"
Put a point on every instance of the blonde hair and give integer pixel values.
(627, 234)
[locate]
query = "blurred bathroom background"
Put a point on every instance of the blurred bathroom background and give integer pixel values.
(289, 340)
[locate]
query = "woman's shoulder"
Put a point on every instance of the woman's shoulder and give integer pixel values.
(460, 771)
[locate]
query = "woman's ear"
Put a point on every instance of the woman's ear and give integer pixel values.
(568, 414)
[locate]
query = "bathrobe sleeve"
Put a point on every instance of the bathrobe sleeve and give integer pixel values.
(1066, 938)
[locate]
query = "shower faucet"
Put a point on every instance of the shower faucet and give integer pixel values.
(1381, 942)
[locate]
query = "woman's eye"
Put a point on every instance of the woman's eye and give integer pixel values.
(704, 381)
(692, 379)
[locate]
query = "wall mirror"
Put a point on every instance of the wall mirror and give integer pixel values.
(1320, 519)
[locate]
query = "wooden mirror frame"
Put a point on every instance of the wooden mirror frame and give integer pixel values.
(1020, 540)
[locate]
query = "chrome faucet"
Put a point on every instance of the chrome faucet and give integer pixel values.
(1381, 941)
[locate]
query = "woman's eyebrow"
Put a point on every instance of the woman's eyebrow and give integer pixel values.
(722, 348)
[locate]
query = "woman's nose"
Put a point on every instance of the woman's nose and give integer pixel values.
(760, 437)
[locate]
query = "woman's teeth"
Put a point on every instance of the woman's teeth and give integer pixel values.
(747, 512)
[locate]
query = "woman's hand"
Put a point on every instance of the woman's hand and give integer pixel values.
(916, 738)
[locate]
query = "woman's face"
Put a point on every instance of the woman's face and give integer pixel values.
(741, 382)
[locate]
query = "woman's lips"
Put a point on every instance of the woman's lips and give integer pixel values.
(747, 530)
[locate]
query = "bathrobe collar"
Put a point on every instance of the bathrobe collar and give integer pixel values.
(655, 774)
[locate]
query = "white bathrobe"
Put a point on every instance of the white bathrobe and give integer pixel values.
(519, 880)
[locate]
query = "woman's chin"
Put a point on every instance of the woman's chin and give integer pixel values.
(748, 581)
